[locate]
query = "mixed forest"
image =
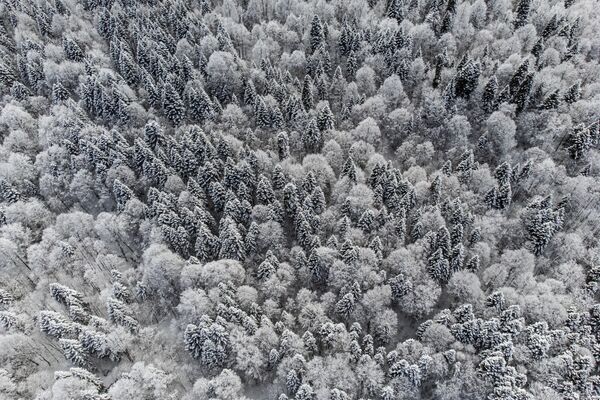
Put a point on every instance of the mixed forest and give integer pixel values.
(301, 200)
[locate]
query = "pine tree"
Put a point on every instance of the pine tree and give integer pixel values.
(72, 50)
(74, 352)
(522, 13)
(261, 114)
(551, 101)
(206, 245)
(317, 36)
(345, 306)
(400, 286)
(395, 11)
(59, 93)
(152, 134)
(278, 178)
(522, 95)
(443, 242)
(518, 78)
(250, 94)
(538, 48)
(292, 382)
(466, 79)
(307, 94)
(579, 141)
(264, 191)
(312, 138)
(317, 267)
(54, 324)
(200, 106)
(318, 201)
(541, 223)
(439, 267)
(349, 169)
(305, 392)
(351, 65)
(573, 94)
(172, 105)
(366, 221)
(283, 145)
(7, 77)
(325, 118)
(489, 95)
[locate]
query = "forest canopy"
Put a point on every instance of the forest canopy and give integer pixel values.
(301, 200)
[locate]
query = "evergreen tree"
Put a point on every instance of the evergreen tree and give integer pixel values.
(278, 178)
(325, 118)
(264, 191)
(312, 138)
(395, 10)
(283, 145)
(199, 105)
(317, 36)
(72, 50)
(307, 94)
(551, 101)
(250, 94)
(439, 267)
(74, 352)
(400, 286)
(489, 95)
(466, 79)
(59, 93)
(172, 105)
(518, 78)
(351, 65)
(522, 13)
(152, 134)
(541, 223)
(573, 94)
(349, 169)
(231, 241)
(345, 306)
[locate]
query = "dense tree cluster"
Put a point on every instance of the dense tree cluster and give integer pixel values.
(303, 200)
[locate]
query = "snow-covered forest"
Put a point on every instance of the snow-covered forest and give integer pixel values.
(302, 200)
